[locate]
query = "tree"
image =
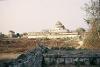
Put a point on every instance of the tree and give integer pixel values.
(18, 35)
(1, 35)
(93, 12)
(93, 20)
(80, 30)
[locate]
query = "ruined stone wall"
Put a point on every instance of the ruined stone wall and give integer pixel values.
(29, 59)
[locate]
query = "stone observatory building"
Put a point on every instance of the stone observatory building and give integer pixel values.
(59, 31)
(59, 27)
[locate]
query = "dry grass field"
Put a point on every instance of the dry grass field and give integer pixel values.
(22, 45)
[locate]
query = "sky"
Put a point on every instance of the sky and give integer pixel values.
(35, 15)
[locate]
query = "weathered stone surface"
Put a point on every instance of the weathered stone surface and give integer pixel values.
(31, 58)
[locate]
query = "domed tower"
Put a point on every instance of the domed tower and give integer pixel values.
(59, 27)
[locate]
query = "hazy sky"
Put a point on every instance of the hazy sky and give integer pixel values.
(35, 15)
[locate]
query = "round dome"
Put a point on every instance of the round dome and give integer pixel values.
(59, 27)
(58, 23)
